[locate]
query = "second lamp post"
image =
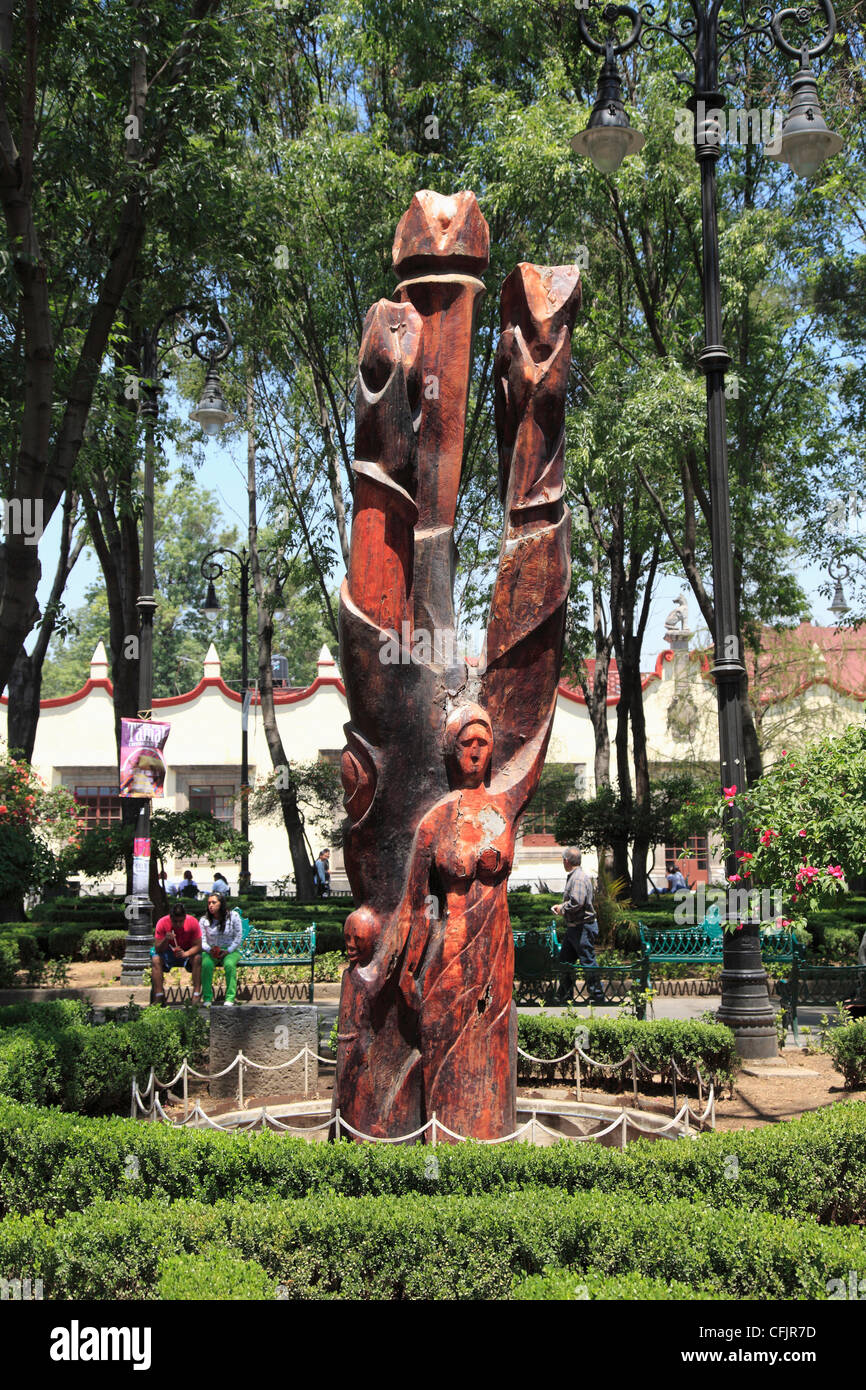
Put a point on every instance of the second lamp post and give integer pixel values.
(804, 143)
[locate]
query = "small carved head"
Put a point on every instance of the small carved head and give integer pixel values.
(468, 745)
(361, 932)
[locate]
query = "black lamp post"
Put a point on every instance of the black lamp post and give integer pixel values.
(212, 570)
(804, 143)
(211, 413)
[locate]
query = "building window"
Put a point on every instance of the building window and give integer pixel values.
(695, 853)
(218, 800)
(560, 782)
(99, 804)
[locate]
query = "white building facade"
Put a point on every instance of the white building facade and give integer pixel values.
(75, 746)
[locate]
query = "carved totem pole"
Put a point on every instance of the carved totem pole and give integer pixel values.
(442, 759)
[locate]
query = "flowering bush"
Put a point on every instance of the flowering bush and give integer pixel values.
(38, 830)
(804, 823)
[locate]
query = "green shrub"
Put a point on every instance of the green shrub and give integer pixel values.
(52, 1056)
(416, 1247)
(847, 1047)
(103, 945)
(568, 1284)
(814, 1167)
(216, 1276)
(8, 961)
(708, 1046)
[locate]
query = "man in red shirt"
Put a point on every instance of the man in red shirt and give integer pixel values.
(178, 943)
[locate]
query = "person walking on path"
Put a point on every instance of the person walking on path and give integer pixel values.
(581, 933)
(222, 933)
(322, 873)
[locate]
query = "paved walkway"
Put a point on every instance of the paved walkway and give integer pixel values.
(327, 999)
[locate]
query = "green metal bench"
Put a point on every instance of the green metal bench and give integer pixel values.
(826, 984)
(542, 977)
(262, 948)
(704, 945)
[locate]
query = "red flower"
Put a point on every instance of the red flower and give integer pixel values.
(835, 870)
(744, 854)
(802, 832)
(767, 836)
(729, 793)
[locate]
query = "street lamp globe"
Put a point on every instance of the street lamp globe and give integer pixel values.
(211, 603)
(608, 138)
(211, 412)
(607, 145)
(806, 139)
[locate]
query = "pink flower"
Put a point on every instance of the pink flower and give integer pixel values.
(767, 836)
(740, 926)
(735, 878)
(744, 854)
(802, 832)
(729, 793)
(835, 870)
(783, 922)
(784, 752)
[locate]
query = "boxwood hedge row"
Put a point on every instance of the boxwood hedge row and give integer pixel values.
(416, 1247)
(813, 1168)
(568, 1284)
(51, 1055)
(711, 1047)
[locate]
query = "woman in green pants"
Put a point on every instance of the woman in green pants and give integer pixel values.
(221, 935)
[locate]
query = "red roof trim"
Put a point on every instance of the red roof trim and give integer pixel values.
(281, 697)
(56, 701)
(579, 698)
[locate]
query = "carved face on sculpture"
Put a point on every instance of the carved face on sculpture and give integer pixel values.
(361, 932)
(468, 746)
(472, 754)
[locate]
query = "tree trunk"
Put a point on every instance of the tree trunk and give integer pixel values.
(292, 816)
(631, 687)
(619, 845)
(595, 694)
(25, 684)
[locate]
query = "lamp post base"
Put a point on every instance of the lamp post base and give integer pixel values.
(746, 1008)
(136, 959)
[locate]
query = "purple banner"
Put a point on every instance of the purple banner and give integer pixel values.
(142, 764)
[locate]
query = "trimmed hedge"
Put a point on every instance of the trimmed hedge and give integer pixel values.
(814, 1167)
(569, 1284)
(710, 1046)
(416, 1247)
(202, 1278)
(50, 1054)
(847, 1047)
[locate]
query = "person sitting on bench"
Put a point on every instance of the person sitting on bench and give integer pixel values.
(222, 933)
(177, 943)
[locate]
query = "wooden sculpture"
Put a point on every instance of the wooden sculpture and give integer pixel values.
(442, 759)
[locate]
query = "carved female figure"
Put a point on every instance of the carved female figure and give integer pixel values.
(457, 964)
